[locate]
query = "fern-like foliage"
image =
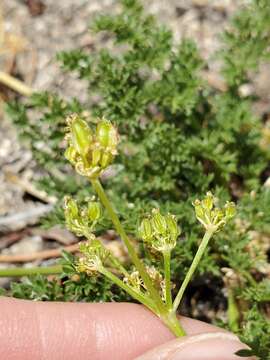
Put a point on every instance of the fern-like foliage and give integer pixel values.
(179, 138)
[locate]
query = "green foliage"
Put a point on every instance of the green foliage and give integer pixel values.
(2, 292)
(256, 334)
(247, 42)
(179, 138)
(37, 288)
(259, 292)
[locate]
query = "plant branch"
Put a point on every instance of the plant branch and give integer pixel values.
(167, 275)
(134, 257)
(233, 312)
(45, 254)
(207, 236)
(17, 272)
(118, 265)
(136, 295)
(173, 324)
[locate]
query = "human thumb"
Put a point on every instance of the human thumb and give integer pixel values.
(207, 346)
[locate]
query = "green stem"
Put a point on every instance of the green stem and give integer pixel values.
(136, 295)
(119, 266)
(233, 312)
(173, 324)
(167, 275)
(249, 277)
(193, 267)
(17, 272)
(168, 318)
(134, 257)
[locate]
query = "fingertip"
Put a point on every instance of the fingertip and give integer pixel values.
(71, 330)
(207, 346)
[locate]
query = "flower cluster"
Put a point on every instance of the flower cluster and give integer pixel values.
(90, 152)
(134, 280)
(81, 220)
(94, 256)
(160, 232)
(210, 216)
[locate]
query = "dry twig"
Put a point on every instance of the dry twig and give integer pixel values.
(9, 239)
(41, 255)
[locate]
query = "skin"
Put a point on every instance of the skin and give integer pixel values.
(120, 331)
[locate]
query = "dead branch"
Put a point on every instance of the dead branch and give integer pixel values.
(41, 255)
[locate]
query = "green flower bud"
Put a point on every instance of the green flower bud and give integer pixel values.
(106, 134)
(81, 135)
(173, 229)
(71, 154)
(199, 211)
(230, 210)
(145, 230)
(71, 207)
(96, 155)
(73, 219)
(106, 160)
(158, 222)
(208, 201)
(94, 211)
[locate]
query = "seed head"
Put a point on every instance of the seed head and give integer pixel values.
(94, 256)
(134, 280)
(81, 220)
(211, 216)
(159, 231)
(90, 152)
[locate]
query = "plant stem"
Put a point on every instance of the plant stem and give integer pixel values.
(233, 312)
(249, 277)
(154, 303)
(193, 267)
(134, 257)
(15, 84)
(169, 318)
(119, 266)
(167, 275)
(173, 324)
(17, 272)
(136, 295)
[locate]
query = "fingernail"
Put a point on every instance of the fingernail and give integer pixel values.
(209, 346)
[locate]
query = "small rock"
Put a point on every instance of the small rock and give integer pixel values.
(28, 245)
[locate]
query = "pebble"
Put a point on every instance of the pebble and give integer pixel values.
(28, 245)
